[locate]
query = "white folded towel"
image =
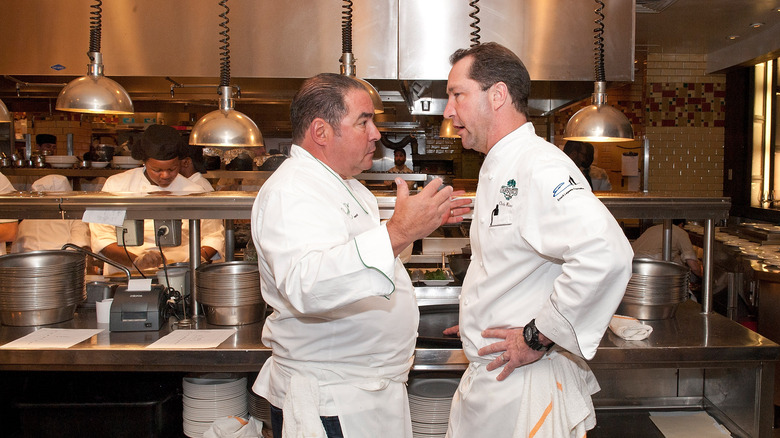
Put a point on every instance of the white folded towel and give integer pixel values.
(301, 409)
(629, 328)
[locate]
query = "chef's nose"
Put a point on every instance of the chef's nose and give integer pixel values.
(449, 110)
(373, 133)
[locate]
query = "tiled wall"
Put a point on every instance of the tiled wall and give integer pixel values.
(685, 113)
(681, 110)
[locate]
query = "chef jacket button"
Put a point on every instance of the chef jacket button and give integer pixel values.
(482, 221)
(466, 302)
(490, 177)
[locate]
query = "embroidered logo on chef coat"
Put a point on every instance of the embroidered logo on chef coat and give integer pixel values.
(346, 209)
(561, 190)
(509, 190)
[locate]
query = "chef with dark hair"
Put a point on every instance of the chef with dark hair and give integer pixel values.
(159, 150)
(47, 144)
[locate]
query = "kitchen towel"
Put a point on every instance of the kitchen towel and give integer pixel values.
(629, 328)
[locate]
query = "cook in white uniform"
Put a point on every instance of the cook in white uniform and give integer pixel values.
(651, 245)
(158, 148)
(345, 316)
(48, 234)
(192, 167)
(545, 250)
(8, 227)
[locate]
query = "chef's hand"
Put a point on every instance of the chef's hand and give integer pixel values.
(148, 259)
(454, 330)
(417, 216)
(516, 352)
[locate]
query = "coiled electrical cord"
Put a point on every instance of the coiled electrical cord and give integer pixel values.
(599, 42)
(224, 70)
(346, 27)
(95, 28)
(474, 24)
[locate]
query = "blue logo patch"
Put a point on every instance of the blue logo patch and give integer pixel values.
(58, 67)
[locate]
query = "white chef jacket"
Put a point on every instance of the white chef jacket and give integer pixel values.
(545, 248)
(198, 179)
(599, 179)
(134, 180)
(5, 187)
(344, 308)
(651, 245)
(48, 234)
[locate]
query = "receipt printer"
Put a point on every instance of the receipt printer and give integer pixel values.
(138, 310)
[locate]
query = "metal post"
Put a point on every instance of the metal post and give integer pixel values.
(69, 136)
(27, 146)
(646, 166)
(194, 263)
(230, 241)
(706, 281)
(667, 242)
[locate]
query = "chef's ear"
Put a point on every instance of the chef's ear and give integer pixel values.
(320, 131)
(498, 94)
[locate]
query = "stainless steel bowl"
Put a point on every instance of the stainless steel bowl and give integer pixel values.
(37, 317)
(235, 315)
(459, 264)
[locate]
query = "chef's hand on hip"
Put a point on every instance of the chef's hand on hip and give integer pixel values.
(148, 259)
(514, 351)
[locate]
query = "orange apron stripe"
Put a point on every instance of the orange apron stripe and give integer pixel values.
(541, 421)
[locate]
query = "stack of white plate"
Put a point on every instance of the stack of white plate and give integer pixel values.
(210, 397)
(61, 161)
(231, 292)
(260, 408)
(125, 162)
(429, 405)
(41, 287)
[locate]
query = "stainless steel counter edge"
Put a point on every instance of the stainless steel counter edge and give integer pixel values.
(691, 339)
(238, 205)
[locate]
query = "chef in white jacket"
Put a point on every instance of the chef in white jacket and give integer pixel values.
(47, 234)
(8, 227)
(159, 151)
(345, 317)
(549, 264)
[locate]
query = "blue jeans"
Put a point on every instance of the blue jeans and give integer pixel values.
(331, 424)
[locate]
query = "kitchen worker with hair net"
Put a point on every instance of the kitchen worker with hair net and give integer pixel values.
(159, 149)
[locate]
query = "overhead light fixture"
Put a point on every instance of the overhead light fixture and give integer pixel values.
(599, 122)
(94, 93)
(5, 116)
(226, 127)
(447, 128)
(348, 60)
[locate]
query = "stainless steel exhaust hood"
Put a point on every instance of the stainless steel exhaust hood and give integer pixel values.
(401, 45)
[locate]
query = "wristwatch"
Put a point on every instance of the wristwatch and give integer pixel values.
(531, 336)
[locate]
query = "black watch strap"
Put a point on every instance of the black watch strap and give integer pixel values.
(531, 337)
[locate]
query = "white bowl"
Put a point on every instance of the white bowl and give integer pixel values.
(61, 159)
(99, 164)
(125, 162)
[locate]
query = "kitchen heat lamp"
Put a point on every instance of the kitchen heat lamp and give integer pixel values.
(599, 122)
(94, 93)
(226, 127)
(348, 60)
(5, 116)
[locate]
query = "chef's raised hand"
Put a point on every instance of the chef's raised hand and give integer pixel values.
(416, 216)
(514, 351)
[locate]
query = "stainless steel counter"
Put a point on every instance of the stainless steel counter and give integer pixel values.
(691, 339)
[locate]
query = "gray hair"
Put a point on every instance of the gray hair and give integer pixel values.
(321, 96)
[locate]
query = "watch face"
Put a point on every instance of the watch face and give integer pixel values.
(528, 334)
